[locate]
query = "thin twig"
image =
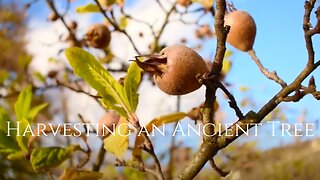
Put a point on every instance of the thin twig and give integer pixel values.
(161, 6)
(76, 90)
(148, 147)
(165, 23)
(173, 144)
(139, 168)
(61, 17)
(116, 27)
(270, 75)
(232, 102)
(216, 168)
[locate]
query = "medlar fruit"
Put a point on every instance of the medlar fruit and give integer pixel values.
(98, 36)
(109, 120)
(73, 25)
(242, 30)
(53, 17)
(175, 69)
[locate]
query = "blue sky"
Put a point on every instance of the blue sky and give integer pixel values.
(279, 45)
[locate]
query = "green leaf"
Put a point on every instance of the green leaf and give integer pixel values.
(23, 137)
(39, 76)
(3, 76)
(7, 143)
(87, 66)
(118, 142)
(24, 61)
(89, 8)
(50, 157)
(74, 174)
(111, 105)
(131, 85)
(35, 110)
(16, 156)
(4, 118)
(22, 106)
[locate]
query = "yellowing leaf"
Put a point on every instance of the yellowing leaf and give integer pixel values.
(123, 22)
(118, 142)
(227, 54)
(106, 3)
(131, 84)
(74, 174)
(89, 8)
(226, 66)
(244, 89)
(165, 119)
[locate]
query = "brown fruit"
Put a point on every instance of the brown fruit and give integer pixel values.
(98, 36)
(109, 120)
(73, 25)
(184, 3)
(53, 17)
(176, 69)
(242, 30)
(52, 74)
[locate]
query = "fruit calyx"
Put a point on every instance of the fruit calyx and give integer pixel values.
(155, 64)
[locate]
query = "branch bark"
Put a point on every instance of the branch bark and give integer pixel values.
(221, 33)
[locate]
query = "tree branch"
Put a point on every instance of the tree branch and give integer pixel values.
(209, 149)
(199, 160)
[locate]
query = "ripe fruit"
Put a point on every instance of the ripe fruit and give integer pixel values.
(242, 30)
(184, 3)
(109, 120)
(53, 17)
(176, 69)
(98, 36)
(73, 25)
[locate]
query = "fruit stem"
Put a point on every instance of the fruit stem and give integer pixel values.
(270, 75)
